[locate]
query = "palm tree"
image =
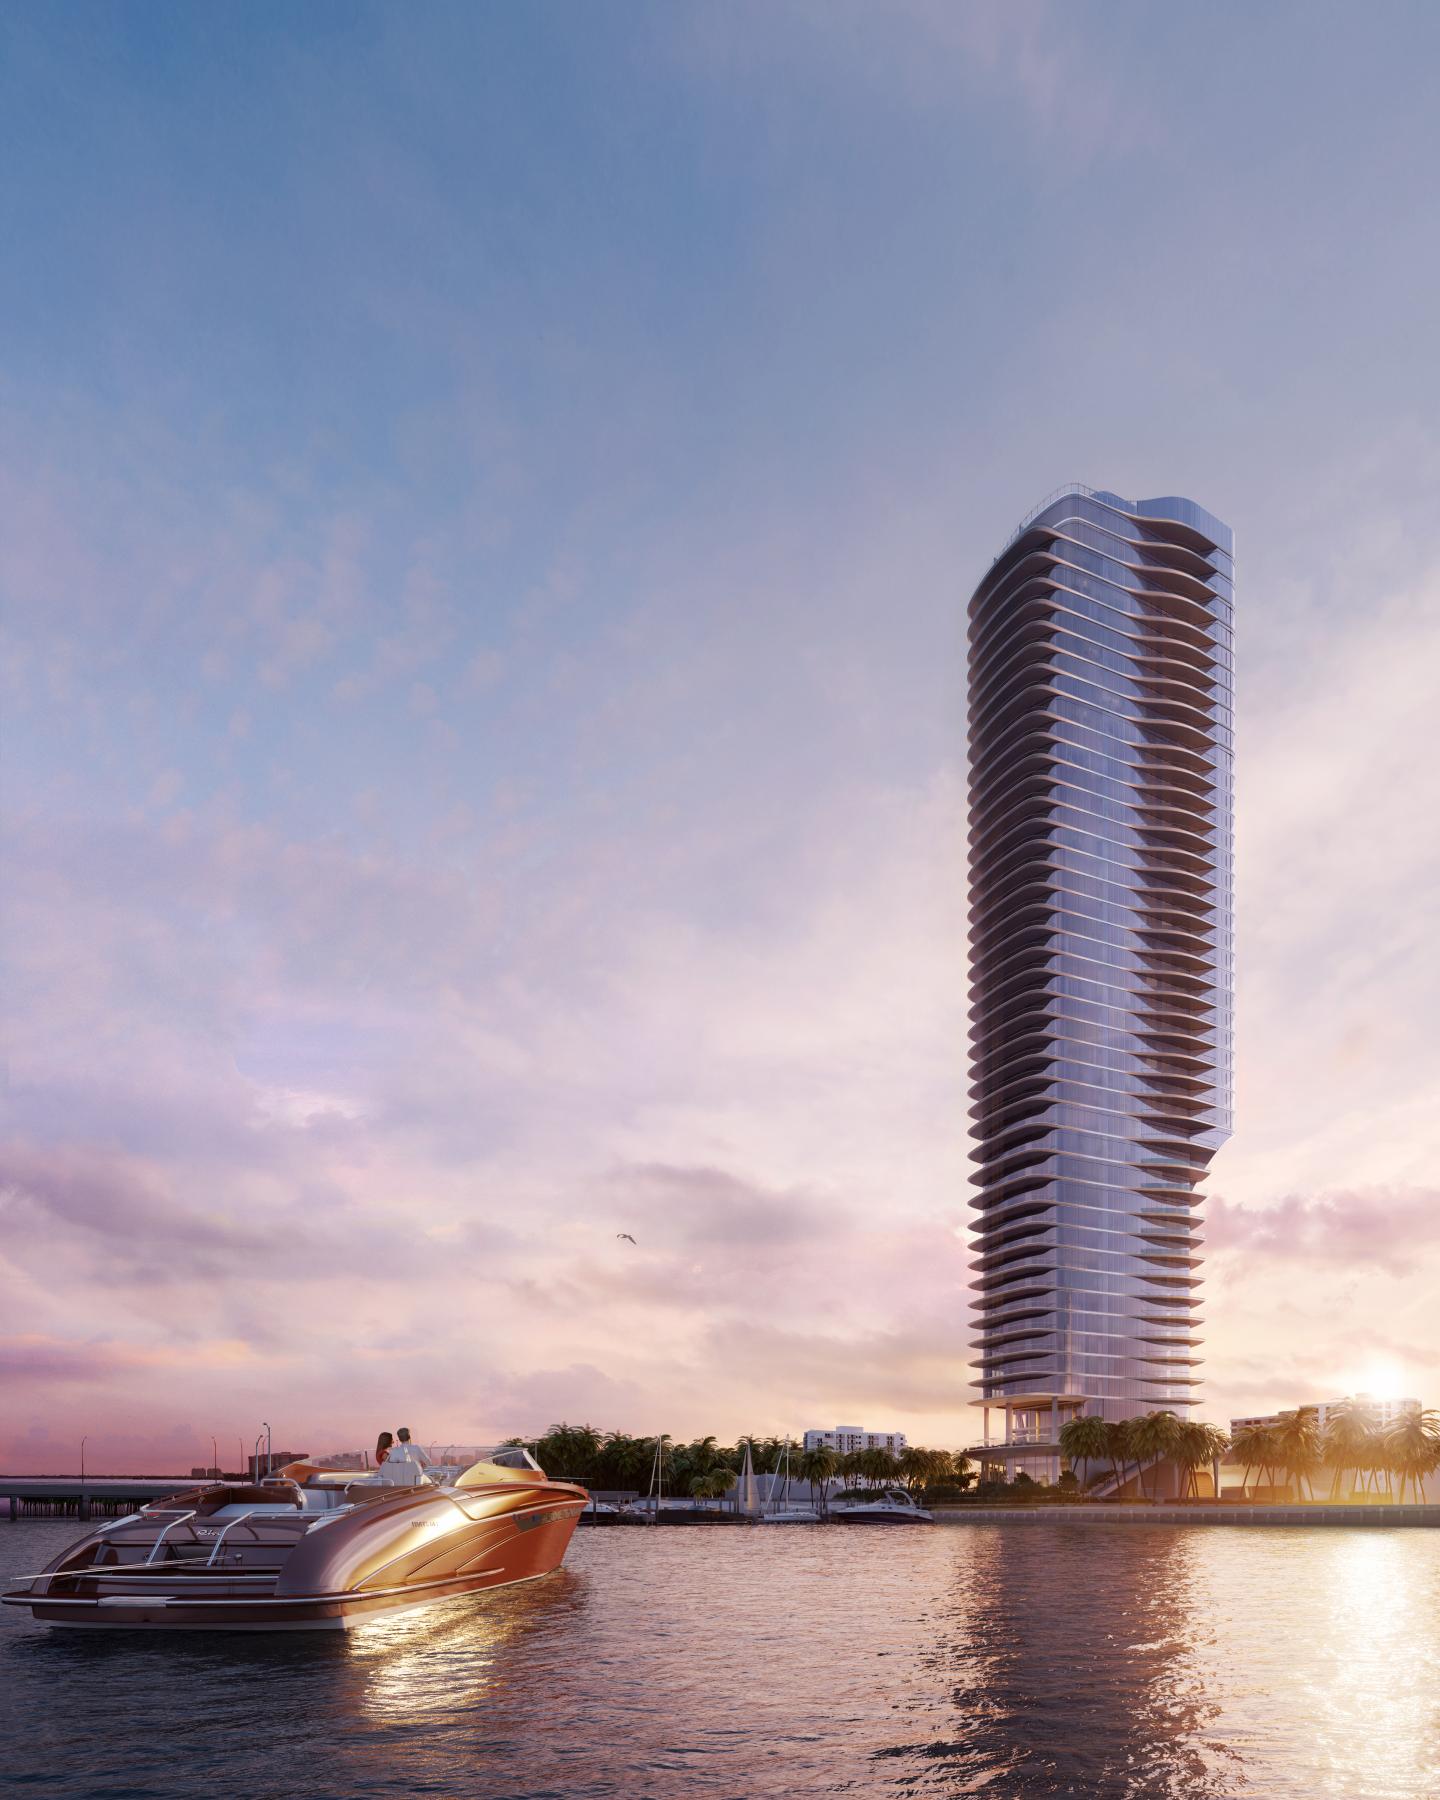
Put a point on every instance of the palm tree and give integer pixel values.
(1376, 1459)
(1413, 1447)
(920, 1468)
(877, 1466)
(1219, 1449)
(819, 1467)
(1192, 1451)
(704, 1453)
(850, 1467)
(1085, 1439)
(1252, 1448)
(626, 1459)
(1154, 1438)
(570, 1449)
(1297, 1446)
(1118, 1448)
(1197, 1444)
(913, 1466)
(765, 1453)
(1347, 1443)
(942, 1466)
(715, 1484)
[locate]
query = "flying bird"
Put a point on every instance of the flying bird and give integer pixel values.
(627, 1237)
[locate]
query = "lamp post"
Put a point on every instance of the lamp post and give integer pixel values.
(214, 1461)
(84, 1440)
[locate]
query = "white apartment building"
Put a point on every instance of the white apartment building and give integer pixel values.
(845, 1439)
(1384, 1412)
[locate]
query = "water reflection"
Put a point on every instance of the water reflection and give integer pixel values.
(422, 1667)
(1146, 1662)
(1044, 1659)
(1071, 1660)
(1379, 1620)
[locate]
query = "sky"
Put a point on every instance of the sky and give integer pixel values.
(488, 496)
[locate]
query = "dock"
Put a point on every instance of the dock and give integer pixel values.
(67, 1496)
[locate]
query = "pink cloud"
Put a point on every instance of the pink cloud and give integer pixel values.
(1385, 1229)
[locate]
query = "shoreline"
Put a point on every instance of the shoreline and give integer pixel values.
(1163, 1513)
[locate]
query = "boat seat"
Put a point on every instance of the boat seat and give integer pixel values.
(401, 1474)
(275, 1509)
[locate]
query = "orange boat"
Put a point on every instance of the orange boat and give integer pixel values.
(312, 1548)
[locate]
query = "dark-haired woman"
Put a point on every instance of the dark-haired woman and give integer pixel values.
(382, 1446)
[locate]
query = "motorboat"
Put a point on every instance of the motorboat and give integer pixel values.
(312, 1548)
(885, 1506)
(791, 1515)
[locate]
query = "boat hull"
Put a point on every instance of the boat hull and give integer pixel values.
(881, 1518)
(323, 1612)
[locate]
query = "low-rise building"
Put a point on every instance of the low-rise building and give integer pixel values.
(1383, 1412)
(846, 1439)
(262, 1465)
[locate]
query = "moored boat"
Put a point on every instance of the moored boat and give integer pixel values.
(311, 1549)
(886, 1506)
(780, 1510)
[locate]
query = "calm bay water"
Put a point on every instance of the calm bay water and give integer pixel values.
(1033, 1660)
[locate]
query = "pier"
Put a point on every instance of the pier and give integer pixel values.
(68, 1496)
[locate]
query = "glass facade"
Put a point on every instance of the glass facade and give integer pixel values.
(1101, 865)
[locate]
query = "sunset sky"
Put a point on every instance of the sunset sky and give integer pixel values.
(487, 500)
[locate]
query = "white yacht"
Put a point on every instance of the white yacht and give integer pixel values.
(878, 1506)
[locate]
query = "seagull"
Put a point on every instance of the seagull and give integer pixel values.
(627, 1237)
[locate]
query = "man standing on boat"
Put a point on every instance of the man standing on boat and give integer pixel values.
(405, 1451)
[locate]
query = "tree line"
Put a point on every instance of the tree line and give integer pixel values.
(708, 1469)
(1093, 1444)
(1354, 1442)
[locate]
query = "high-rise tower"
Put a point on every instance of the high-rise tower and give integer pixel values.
(1101, 682)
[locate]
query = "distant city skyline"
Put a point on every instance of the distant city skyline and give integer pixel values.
(487, 503)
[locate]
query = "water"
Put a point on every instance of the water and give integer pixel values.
(1035, 1660)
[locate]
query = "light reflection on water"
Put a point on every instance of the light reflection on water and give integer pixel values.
(1031, 1660)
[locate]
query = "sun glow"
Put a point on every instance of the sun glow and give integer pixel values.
(1381, 1381)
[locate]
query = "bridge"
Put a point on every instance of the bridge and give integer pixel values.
(71, 1496)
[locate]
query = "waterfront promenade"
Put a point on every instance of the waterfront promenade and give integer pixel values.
(1316, 1513)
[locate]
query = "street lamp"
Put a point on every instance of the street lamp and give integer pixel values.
(214, 1461)
(84, 1440)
